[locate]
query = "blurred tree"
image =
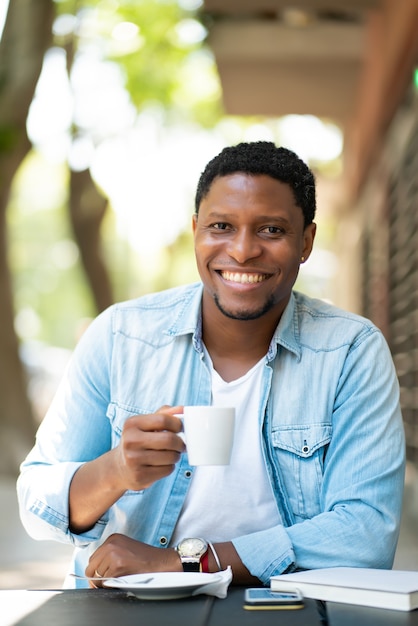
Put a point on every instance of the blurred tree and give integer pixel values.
(154, 45)
(86, 205)
(26, 37)
(145, 40)
(87, 209)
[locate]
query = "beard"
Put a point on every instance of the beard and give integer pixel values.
(245, 315)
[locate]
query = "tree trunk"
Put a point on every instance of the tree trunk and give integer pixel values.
(87, 210)
(27, 35)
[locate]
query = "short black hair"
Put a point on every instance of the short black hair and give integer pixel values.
(263, 157)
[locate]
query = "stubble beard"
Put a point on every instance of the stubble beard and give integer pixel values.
(245, 315)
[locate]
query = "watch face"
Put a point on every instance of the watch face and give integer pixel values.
(192, 547)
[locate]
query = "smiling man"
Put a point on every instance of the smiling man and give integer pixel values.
(317, 469)
(250, 238)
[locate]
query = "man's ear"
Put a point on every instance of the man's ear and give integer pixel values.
(308, 240)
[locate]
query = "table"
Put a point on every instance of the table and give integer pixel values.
(107, 607)
(350, 615)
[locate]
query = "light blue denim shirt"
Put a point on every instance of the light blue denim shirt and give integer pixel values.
(329, 415)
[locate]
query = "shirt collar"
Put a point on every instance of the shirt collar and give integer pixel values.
(188, 320)
(187, 313)
(287, 333)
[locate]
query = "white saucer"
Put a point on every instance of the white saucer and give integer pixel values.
(163, 585)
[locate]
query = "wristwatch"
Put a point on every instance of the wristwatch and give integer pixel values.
(191, 551)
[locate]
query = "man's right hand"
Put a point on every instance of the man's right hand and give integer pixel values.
(149, 448)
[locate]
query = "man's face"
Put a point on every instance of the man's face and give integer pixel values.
(249, 239)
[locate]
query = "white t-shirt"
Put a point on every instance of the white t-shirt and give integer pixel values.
(229, 501)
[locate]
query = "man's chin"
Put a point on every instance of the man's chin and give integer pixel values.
(243, 315)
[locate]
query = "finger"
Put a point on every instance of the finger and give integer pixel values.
(172, 412)
(166, 442)
(155, 422)
(156, 458)
(145, 476)
(175, 421)
(94, 584)
(96, 567)
(136, 441)
(163, 420)
(93, 568)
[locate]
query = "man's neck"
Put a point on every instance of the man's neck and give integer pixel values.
(235, 346)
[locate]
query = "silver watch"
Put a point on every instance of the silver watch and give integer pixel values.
(191, 551)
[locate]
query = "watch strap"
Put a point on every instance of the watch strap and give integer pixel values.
(204, 563)
(191, 566)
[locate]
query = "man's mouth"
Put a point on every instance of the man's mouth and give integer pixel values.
(244, 277)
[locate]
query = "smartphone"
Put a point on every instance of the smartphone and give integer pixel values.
(259, 598)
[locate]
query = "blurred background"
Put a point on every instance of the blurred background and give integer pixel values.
(109, 111)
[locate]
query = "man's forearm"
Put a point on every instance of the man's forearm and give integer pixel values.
(93, 490)
(229, 556)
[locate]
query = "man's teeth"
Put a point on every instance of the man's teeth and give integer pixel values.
(237, 277)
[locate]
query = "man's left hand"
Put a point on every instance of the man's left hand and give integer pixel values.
(120, 555)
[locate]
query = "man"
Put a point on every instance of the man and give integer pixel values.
(317, 471)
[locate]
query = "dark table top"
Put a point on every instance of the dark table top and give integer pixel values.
(107, 607)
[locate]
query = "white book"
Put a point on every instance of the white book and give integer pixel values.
(386, 589)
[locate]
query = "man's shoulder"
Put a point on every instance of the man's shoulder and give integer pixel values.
(171, 312)
(319, 316)
(315, 307)
(167, 298)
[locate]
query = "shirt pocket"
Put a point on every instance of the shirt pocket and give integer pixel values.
(300, 452)
(118, 415)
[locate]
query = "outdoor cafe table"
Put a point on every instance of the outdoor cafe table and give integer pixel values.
(111, 607)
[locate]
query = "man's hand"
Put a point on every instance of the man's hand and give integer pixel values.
(149, 448)
(119, 556)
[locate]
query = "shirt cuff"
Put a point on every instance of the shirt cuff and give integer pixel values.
(256, 552)
(52, 519)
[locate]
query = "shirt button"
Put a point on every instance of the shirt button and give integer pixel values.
(187, 473)
(305, 449)
(163, 541)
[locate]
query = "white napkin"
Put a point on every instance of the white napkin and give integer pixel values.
(219, 586)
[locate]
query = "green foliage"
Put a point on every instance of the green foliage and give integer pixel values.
(159, 47)
(152, 70)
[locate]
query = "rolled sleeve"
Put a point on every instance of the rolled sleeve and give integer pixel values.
(45, 514)
(256, 552)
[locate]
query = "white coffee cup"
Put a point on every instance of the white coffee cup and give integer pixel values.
(209, 434)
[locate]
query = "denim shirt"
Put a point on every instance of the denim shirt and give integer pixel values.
(330, 420)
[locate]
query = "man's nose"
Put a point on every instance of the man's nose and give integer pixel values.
(244, 246)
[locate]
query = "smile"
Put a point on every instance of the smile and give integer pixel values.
(244, 278)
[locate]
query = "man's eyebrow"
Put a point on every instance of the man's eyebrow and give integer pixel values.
(225, 216)
(273, 218)
(219, 215)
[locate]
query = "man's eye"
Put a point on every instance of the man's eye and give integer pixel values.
(220, 226)
(273, 230)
